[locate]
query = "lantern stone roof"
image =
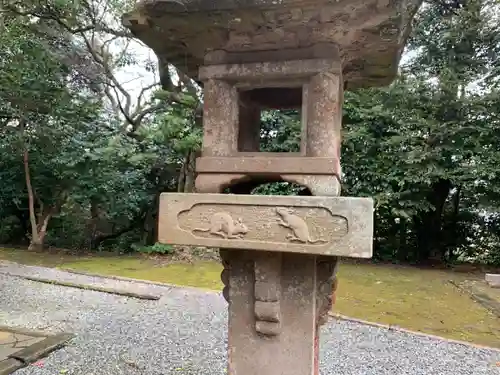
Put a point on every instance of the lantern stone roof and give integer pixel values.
(368, 35)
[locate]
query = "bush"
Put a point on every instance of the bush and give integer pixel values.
(157, 248)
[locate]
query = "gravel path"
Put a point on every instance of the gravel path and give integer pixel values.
(184, 333)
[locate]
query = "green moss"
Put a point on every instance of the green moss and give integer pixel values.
(205, 275)
(419, 300)
(33, 258)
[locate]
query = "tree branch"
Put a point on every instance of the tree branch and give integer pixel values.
(146, 111)
(143, 91)
(50, 14)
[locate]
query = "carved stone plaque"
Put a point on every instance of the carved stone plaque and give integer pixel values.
(336, 226)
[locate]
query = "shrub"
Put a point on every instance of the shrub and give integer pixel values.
(157, 248)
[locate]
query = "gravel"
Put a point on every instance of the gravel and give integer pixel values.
(184, 333)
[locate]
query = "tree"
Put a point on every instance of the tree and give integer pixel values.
(427, 134)
(40, 104)
(94, 51)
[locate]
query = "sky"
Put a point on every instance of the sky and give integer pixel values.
(135, 77)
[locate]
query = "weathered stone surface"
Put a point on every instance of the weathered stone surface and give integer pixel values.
(264, 347)
(12, 342)
(323, 118)
(266, 163)
(326, 274)
(42, 348)
(370, 34)
(267, 306)
(220, 119)
(335, 226)
(19, 347)
(295, 70)
(9, 365)
(493, 279)
(231, 127)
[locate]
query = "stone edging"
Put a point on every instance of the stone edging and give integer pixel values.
(484, 300)
(87, 287)
(32, 353)
(42, 348)
(130, 279)
(24, 331)
(404, 330)
(112, 277)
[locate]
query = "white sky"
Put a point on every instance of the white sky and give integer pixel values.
(135, 77)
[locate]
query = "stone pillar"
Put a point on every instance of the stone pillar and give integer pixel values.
(282, 311)
(323, 97)
(220, 107)
(221, 115)
(249, 125)
(272, 313)
(324, 116)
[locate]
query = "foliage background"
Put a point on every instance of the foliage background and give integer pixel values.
(98, 154)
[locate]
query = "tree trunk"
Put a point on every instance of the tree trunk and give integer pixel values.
(402, 253)
(429, 224)
(182, 178)
(190, 172)
(187, 173)
(38, 225)
(150, 226)
(41, 231)
(36, 242)
(453, 240)
(93, 226)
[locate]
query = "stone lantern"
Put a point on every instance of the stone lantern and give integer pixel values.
(280, 254)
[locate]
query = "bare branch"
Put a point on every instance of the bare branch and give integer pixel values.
(143, 91)
(103, 59)
(187, 82)
(96, 25)
(146, 111)
(112, 100)
(123, 111)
